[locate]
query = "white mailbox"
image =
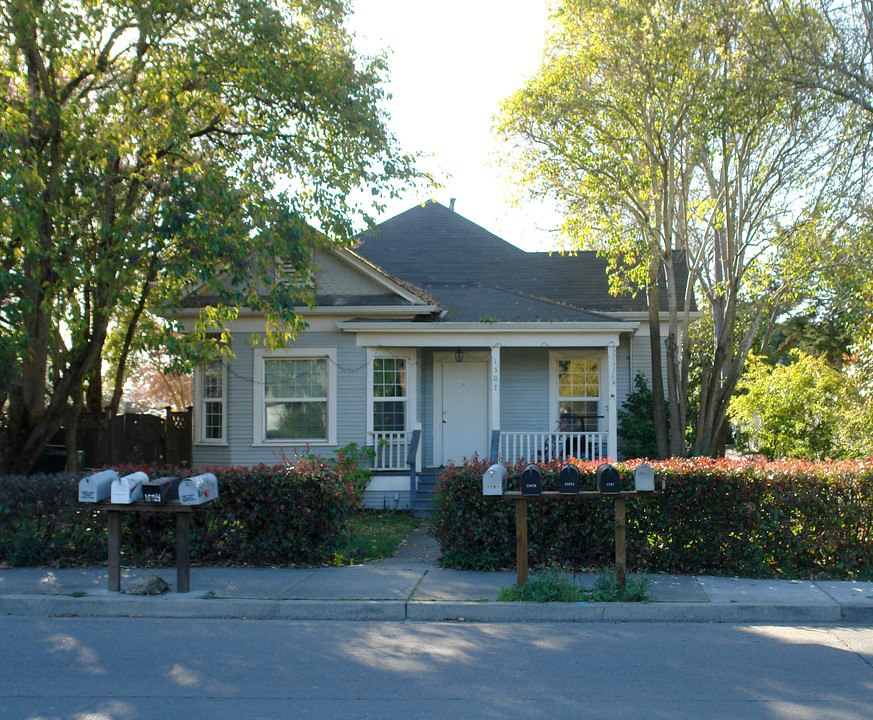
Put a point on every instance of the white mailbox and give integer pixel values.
(128, 489)
(97, 487)
(644, 478)
(494, 480)
(198, 489)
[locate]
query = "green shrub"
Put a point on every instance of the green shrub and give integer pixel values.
(470, 526)
(42, 522)
(280, 515)
(756, 519)
(277, 515)
(636, 433)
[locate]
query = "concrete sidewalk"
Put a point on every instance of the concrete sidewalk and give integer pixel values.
(409, 586)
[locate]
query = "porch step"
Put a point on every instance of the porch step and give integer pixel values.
(422, 503)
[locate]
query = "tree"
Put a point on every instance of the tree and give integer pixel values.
(666, 142)
(152, 148)
(825, 45)
(603, 127)
(805, 408)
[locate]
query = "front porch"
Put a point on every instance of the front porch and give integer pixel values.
(399, 453)
(534, 392)
(393, 448)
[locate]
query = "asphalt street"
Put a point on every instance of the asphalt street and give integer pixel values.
(143, 668)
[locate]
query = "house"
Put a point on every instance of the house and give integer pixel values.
(432, 341)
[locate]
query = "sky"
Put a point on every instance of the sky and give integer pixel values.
(451, 63)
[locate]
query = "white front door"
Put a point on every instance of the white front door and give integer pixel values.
(464, 414)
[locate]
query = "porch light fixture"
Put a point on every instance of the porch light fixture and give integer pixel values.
(459, 355)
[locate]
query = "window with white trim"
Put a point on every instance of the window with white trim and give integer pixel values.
(295, 398)
(389, 394)
(578, 395)
(213, 384)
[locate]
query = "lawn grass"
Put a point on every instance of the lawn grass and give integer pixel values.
(373, 535)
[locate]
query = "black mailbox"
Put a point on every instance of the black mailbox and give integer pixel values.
(608, 480)
(568, 479)
(161, 491)
(532, 480)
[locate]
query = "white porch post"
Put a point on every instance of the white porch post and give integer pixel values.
(495, 389)
(611, 410)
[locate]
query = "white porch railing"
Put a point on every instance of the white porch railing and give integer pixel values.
(547, 446)
(391, 450)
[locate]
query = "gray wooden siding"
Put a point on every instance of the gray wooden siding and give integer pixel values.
(623, 379)
(524, 390)
(351, 394)
(386, 500)
(524, 396)
(642, 359)
(336, 277)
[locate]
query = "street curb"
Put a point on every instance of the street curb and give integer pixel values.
(660, 612)
(171, 606)
(198, 608)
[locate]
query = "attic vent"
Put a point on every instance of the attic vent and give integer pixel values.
(289, 274)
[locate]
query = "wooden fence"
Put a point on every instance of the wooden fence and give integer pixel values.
(135, 438)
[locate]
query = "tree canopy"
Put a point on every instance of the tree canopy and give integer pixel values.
(153, 147)
(667, 139)
(805, 408)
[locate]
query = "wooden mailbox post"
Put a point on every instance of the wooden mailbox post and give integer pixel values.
(183, 542)
(618, 498)
(136, 493)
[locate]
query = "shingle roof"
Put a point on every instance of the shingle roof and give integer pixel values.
(474, 274)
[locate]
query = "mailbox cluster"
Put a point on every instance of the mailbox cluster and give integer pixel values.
(137, 487)
(569, 479)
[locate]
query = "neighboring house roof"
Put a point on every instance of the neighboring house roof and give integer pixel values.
(476, 275)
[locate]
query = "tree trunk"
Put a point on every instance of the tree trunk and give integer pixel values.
(35, 422)
(659, 405)
(71, 432)
(132, 325)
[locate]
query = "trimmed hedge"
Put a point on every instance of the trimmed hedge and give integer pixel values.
(720, 517)
(279, 515)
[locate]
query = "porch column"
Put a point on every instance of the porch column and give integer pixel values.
(611, 410)
(495, 388)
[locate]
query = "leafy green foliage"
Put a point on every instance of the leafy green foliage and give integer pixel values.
(152, 149)
(674, 149)
(636, 430)
(607, 588)
(290, 514)
(549, 584)
(756, 519)
(41, 522)
(805, 408)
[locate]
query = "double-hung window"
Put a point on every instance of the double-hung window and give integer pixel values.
(213, 384)
(390, 404)
(578, 394)
(295, 398)
(389, 394)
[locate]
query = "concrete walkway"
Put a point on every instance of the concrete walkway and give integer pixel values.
(409, 586)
